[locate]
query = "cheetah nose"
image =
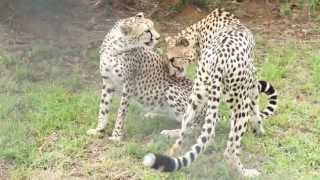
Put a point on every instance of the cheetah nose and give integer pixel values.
(157, 38)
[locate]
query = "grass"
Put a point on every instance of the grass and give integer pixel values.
(46, 108)
(311, 6)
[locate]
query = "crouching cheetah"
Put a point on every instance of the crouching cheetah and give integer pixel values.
(129, 65)
(225, 68)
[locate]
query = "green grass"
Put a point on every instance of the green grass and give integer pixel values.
(46, 109)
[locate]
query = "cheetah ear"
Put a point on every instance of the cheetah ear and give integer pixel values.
(125, 29)
(140, 15)
(183, 42)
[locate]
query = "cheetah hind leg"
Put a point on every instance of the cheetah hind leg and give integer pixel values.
(256, 124)
(256, 119)
(195, 126)
(238, 125)
(152, 115)
(155, 112)
(174, 133)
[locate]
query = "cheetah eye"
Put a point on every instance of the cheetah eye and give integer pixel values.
(147, 31)
(140, 15)
(171, 60)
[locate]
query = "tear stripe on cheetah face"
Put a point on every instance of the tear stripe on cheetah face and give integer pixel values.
(225, 68)
(138, 74)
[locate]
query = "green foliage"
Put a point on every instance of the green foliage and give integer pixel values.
(316, 68)
(312, 5)
(285, 8)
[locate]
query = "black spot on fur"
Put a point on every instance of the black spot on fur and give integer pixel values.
(199, 96)
(198, 149)
(192, 156)
(185, 161)
(209, 130)
(204, 139)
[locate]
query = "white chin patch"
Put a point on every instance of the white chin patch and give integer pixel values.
(149, 160)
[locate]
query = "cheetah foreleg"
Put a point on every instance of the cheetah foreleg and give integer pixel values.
(106, 95)
(117, 133)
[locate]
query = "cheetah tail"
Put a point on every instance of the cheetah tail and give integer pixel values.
(168, 164)
(267, 88)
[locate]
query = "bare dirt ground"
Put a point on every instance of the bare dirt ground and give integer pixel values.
(75, 24)
(78, 24)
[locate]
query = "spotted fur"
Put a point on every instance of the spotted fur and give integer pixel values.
(130, 66)
(225, 67)
(181, 54)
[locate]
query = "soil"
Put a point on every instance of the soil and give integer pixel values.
(5, 168)
(77, 23)
(262, 17)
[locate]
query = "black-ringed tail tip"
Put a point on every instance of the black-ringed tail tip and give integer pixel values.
(159, 162)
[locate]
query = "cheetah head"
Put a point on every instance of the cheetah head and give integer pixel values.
(180, 53)
(139, 31)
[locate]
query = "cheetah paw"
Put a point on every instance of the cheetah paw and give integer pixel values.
(171, 133)
(150, 115)
(250, 173)
(94, 132)
(115, 138)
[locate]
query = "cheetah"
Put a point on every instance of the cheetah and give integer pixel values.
(180, 54)
(225, 67)
(139, 73)
(130, 66)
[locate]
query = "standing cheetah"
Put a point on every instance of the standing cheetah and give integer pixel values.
(225, 68)
(181, 54)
